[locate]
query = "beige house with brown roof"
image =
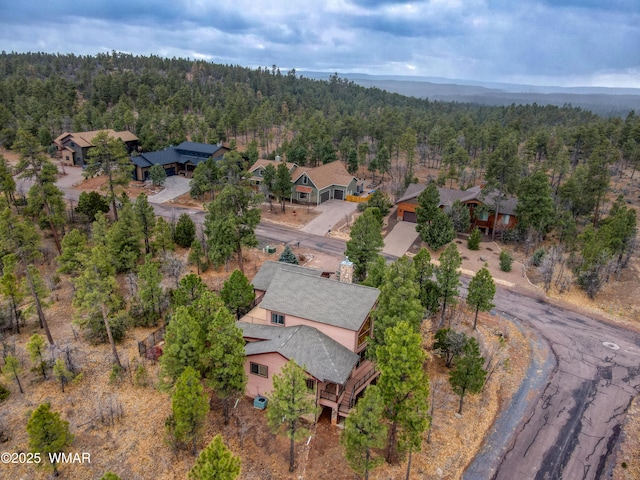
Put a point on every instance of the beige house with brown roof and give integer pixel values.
(313, 184)
(73, 147)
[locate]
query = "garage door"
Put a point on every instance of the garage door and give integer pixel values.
(324, 197)
(409, 217)
(338, 194)
(170, 171)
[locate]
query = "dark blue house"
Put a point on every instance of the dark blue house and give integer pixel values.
(176, 160)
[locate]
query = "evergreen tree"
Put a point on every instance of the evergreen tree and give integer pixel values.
(124, 239)
(11, 288)
(460, 216)
(150, 291)
(61, 372)
(36, 350)
(190, 289)
(157, 175)
(90, 204)
(365, 242)
(20, 238)
(287, 256)
(428, 289)
(217, 462)
(100, 230)
(146, 219)
(95, 291)
(184, 344)
(448, 277)
(74, 246)
(48, 434)
(381, 201)
(428, 205)
(230, 223)
(237, 294)
(109, 157)
(482, 289)
(398, 301)
(45, 199)
(224, 359)
(189, 406)
(12, 369)
(404, 388)
(7, 183)
(439, 231)
(473, 242)
(290, 401)
(163, 236)
(196, 254)
(376, 272)
(282, 185)
(503, 172)
(535, 209)
(205, 178)
(364, 434)
(185, 231)
(468, 375)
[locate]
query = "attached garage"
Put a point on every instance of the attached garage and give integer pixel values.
(338, 194)
(170, 171)
(409, 217)
(324, 196)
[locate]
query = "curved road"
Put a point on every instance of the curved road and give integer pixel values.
(571, 424)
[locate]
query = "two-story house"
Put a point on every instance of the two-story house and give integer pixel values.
(320, 323)
(313, 185)
(73, 147)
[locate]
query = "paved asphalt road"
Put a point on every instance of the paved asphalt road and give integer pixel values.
(572, 423)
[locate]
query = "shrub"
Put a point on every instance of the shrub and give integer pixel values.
(538, 256)
(4, 393)
(185, 231)
(505, 261)
(473, 242)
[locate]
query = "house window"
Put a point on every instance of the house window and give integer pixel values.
(311, 384)
(261, 370)
(483, 216)
(304, 179)
(277, 318)
(261, 172)
(302, 195)
(505, 219)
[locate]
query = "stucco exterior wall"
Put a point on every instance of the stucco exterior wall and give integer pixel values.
(256, 384)
(347, 338)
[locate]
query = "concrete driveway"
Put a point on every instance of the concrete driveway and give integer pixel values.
(398, 240)
(174, 186)
(331, 212)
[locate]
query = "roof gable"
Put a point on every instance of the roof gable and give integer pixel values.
(322, 300)
(321, 356)
(263, 278)
(332, 173)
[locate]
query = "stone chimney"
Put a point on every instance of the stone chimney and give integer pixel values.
(346, 271)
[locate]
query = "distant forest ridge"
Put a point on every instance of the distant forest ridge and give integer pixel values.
(601, 100)
(309, 121)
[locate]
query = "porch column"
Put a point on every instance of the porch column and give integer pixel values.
(334, 416)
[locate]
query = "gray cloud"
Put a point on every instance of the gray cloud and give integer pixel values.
(543, 41)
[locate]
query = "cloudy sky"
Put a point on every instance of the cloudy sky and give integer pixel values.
(541, 42)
